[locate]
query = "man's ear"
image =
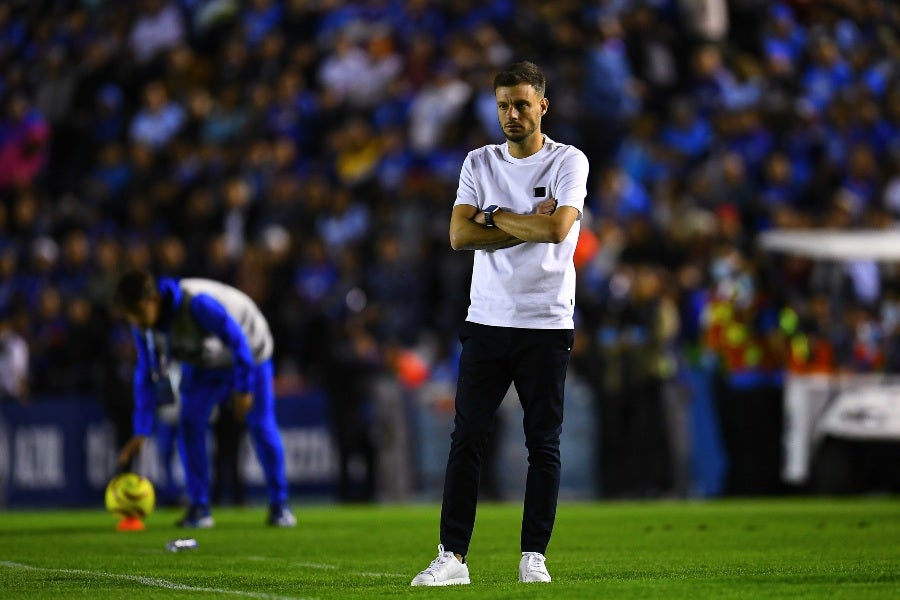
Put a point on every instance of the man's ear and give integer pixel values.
(545, 104)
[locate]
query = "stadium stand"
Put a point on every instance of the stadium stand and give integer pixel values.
(306, 152)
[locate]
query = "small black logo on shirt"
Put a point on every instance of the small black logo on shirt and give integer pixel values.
(540, 192)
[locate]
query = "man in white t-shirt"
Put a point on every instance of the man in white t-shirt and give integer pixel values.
(518, 206)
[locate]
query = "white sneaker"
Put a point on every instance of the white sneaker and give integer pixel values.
(281, 516)
(532, 568)
(197, 517)
(444, 570)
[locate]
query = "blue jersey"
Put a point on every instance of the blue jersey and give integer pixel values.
(204, 324)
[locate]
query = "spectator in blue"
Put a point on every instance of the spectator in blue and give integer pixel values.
(687, 136)
(862, 176)
(47, 342)
(609, 92)
(106, 184)
(713, 84)
(13, 31)
(418, 18)
(784, 36)
(873, 129)
(107, 119)
(396, 161)
(640, 154)
(780, 186)
(159, 121)
(751, 138)
(260, 18)
(224, 345)
(620, 197)
(347, 221)
(827, 74)
(293, 111)
(392, 283)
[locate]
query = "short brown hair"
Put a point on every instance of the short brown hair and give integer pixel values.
(522, 72)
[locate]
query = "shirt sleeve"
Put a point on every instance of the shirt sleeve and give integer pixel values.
(212, 316)
(466, 193)
(571, 181)
(144, 389)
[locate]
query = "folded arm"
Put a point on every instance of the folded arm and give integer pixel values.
(467, 230)
(551, 229)
(467, 234)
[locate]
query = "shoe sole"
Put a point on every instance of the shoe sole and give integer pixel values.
(457, 581)
(284, 525)
(523, 578)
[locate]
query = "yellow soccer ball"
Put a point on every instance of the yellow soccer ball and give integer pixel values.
(130, 495)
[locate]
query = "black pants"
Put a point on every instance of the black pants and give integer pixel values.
(535, 360)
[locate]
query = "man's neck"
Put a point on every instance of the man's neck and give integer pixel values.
(531, 145)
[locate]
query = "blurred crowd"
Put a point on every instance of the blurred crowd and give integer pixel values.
(307, 152)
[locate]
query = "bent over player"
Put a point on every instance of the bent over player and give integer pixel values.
(224, 345)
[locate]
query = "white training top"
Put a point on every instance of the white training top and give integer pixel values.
(531, 285)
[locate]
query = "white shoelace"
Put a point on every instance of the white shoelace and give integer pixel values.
(442, 559)
(536, 561)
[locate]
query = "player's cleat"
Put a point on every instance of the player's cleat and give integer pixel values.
(443, 570)
(197, 517)
(281, 516)
(532, 568)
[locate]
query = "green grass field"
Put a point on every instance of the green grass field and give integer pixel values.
(794, 548)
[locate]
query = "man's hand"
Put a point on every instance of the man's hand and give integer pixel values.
(546, 207)
(132, 447)
(242, 403)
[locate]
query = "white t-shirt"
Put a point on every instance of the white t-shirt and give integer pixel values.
(531, 285)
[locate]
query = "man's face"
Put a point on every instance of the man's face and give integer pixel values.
(144, 314)
(519, 110)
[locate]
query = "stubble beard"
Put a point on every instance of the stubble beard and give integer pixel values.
(517, 138)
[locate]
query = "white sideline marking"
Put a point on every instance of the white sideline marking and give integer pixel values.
(148, 581)
(323, 566)
(315, 565)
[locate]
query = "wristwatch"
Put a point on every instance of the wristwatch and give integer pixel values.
(489, 215)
